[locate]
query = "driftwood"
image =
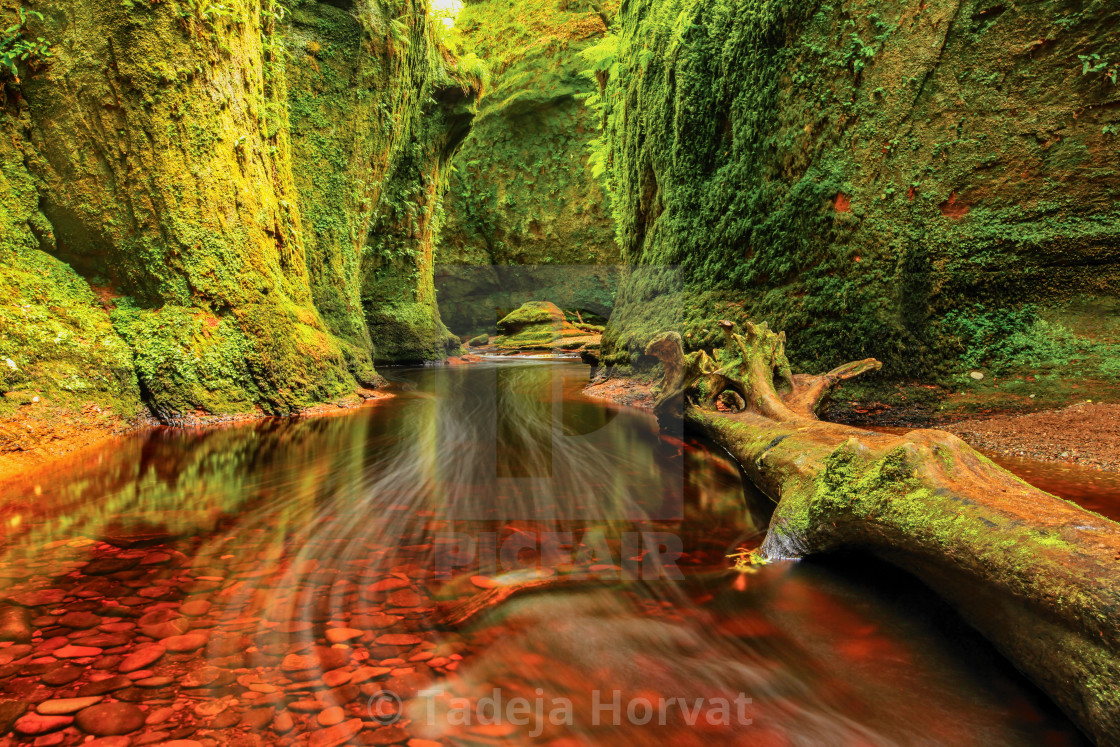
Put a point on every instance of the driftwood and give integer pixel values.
(1038, 576)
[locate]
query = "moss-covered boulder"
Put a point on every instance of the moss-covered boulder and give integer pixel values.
(855, 172)
(524, 192)
(540, 325)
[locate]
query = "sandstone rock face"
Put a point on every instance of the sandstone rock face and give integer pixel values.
(164, 225)
(861, 174)
(524, 192)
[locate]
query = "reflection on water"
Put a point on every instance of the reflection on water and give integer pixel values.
(274, 580)
(1093, 489)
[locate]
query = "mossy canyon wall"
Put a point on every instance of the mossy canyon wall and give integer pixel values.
(877, 178)
(219, 208)
(524, 206)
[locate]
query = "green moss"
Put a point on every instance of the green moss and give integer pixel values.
(224, 179)
(532, 312)
(523, 192)
(853, 173)
(56, 341)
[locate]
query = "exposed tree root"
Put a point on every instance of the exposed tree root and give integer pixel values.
(1040, 577)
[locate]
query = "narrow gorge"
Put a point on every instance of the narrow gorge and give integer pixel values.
(446, 373)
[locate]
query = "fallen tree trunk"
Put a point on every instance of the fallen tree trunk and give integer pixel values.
(1038, 576)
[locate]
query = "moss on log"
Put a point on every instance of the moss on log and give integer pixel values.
(1037, 575)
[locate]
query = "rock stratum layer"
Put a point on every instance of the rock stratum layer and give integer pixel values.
(861, 173)
(218, 208)
(525, 193)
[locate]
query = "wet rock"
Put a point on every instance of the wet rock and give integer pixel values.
(108, 742)
(322, 658)
(195, 608)
(342, 635)
(400, 639)
(256, 719)
(137, 695)
(331, 716)
(225, 719)
(104, 640)
(10, 710)
(405, 598)
(374, 622)
(32, 724)
(159, 715)
(60, 674)
(365, 674)
(110, 719)
(76, 652)
(119, 627)
(142, 658)
(283, 723)
(107, 662)
(65, 706)
(15, 623)
(105, 686)
(185, 643)
(307, 705)
(336, 677)
(386, 584)
(12, 653)
(340, 695)
(79, 620)
(50, 740)
(201, 677)
(108, 565)
(163, 624)
(39, 598)
(386, 735)
(162, 681)
(336, 735)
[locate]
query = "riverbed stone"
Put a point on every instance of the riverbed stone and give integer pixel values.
(405, 598)
(15, 623)
(142, 658)
(163, 623)
(105, 686)
(201, 677)
(33, 724)
(60, 673)
(185, 643)
(283, 723)
(385, 736)
(108, 565)
(110, 719)
(336, 735)
(10, 710)
(386, 584)
(195, 608)
(342, 635)
(399, 639)
(70, 651)
(79, 620)
(66, 706)
(331, 716)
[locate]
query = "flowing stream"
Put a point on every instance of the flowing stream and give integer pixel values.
(296, 572)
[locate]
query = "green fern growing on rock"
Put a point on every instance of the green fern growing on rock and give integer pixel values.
(17, 47)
